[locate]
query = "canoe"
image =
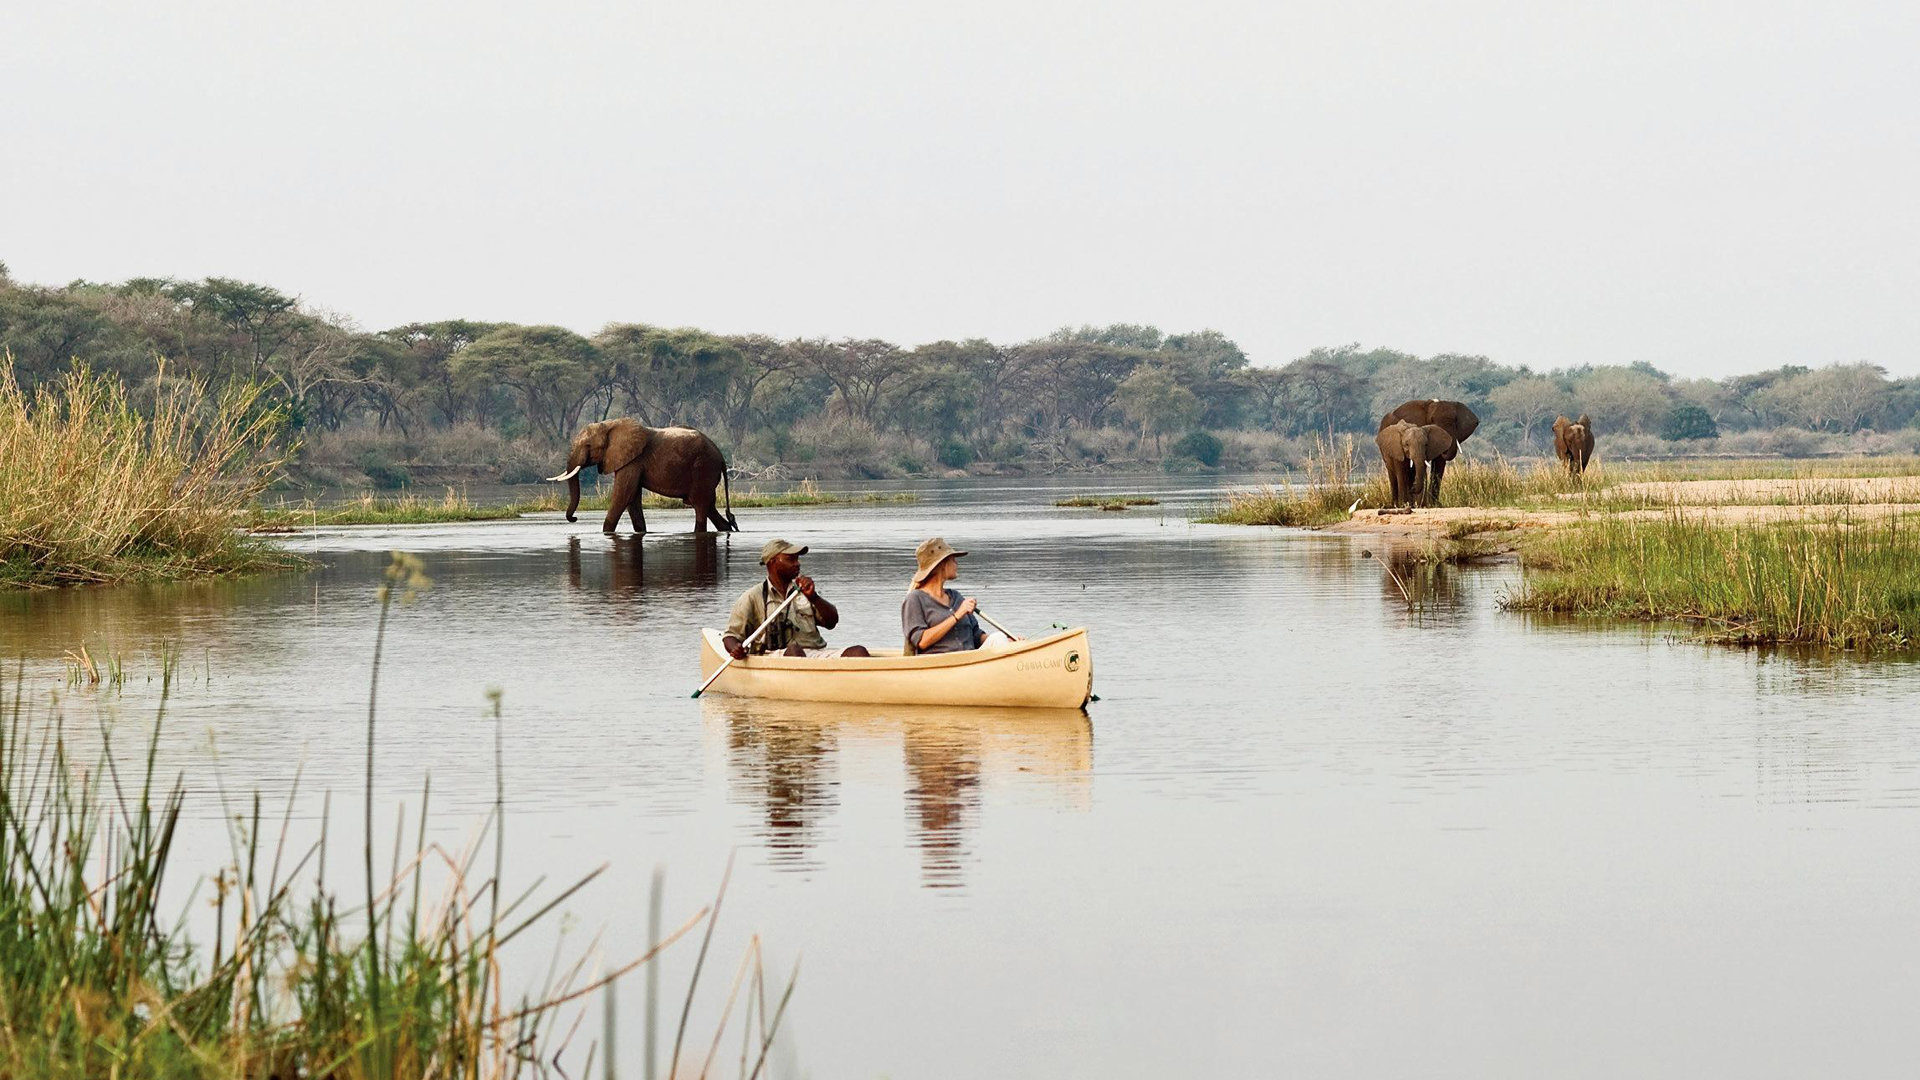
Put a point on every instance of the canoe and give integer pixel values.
(1055, 671)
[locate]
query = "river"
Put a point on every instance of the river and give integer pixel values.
(1305, 831)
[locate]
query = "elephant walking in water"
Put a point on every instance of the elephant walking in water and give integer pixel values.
(1453, 417)
(677, 462)
(1573, 442)
(1409, 451)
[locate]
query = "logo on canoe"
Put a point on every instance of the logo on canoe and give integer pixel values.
(1073, 661)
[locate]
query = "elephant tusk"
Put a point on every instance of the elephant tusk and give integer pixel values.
(568, 475)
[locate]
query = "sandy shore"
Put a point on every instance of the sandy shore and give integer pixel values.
(1717, 500)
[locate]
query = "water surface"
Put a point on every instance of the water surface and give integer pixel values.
(1305, 831)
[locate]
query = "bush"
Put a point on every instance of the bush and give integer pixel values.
(1200, 446)
(955, 454)
(1688, 421)
(382, 471)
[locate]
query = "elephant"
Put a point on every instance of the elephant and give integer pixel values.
(1393, 453)
(1455, 418)
(1409, 451)
(677, 462)
(1573, 442)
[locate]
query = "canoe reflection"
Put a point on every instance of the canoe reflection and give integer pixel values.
(784, 758)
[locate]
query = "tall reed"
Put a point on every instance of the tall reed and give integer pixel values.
(1832, 581)
(96, 980)
(93, 490)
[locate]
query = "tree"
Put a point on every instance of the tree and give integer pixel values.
(670, 376)
(1623, 399)
(259, 318)
(1214, 368)
(554, 371)
(1327, 390)
(858, 369)
(1689, 421)
(433, 345)
(1528, 402)
(1152, 398)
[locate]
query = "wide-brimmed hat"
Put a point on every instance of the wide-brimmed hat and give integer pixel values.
(779, 547)
(931, 553)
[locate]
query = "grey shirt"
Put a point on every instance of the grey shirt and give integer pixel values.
(920, 611)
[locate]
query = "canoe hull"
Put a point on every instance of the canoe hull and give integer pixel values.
(1053, 672)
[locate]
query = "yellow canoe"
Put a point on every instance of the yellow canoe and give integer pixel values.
(1055, 671)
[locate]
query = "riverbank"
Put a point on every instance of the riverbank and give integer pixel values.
(94, 491)
(454, 506)
(1796, 559)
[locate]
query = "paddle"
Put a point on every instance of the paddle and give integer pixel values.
(995, 625)
(751, 638)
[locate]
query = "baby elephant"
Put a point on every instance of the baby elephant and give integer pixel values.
(1573, 442)
(1407, 449)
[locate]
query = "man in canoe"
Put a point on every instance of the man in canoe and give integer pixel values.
(937, 619)
(797, 630)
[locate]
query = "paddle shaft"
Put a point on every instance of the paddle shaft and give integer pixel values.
(990, 622)
(751, 638)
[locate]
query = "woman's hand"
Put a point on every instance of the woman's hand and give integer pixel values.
(965, 609)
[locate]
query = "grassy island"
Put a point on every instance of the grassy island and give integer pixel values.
(1762, 552)
(1107, 502)
(94, 491)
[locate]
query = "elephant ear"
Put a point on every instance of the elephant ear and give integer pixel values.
(625, 443)
(1465, 422)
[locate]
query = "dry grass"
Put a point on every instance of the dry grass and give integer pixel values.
(1333, 484)
(93, 491)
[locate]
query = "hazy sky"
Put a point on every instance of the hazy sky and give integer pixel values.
(1711, 186)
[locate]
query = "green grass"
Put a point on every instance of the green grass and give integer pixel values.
(1836, 581)
(455, 506)
(99, 979)
(94, 492)
(1108, 502)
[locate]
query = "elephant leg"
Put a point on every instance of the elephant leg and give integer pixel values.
(1434, 472)
(626, 493)
(639, 517)
(712, 513)
(700, 512)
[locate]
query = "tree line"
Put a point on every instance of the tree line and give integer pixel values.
(961, 400)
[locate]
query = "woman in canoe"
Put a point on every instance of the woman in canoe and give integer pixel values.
(937, 619)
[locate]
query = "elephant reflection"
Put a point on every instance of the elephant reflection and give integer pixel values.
(696, 562)
(783, 757)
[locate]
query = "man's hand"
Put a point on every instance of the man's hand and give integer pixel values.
(805, 585)
(965, 609)
(734, 648)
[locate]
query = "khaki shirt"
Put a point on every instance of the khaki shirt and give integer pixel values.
(796, 625)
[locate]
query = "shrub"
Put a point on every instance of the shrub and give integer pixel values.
(1201, 446)
(1689, 421)
(955, 454)
(382, 471)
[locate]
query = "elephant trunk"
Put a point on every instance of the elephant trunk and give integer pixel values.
(573, 493)
(1418, 495)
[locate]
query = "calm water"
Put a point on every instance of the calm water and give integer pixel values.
(1303, 833)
